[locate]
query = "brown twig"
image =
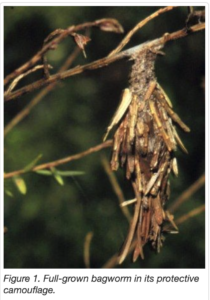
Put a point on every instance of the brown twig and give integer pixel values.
(88, 240)
(190, 214)
(104, 61)
(39, 55)
(188, 193)
(116, 187)
(62, 161)
(195, 16)
(128, 241)
(26, 110)
(127, 38)
(114, 26)
(128, 202)
(17, 79)
(113, 261)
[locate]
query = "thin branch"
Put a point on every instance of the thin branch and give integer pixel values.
(127, 38)
(105, 61)
(62, 161)
(51, 45)
(190, 214)
(17, 79)
(68, 62)
(128, 241)
(195, 16)
(26, 110)
(113, 261)
(116, 187)
(88, 240)
(128, 202)
(188, 193)
(113, 25)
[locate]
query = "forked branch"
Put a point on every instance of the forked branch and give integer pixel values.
(57, 36)
(105, 61)
(62, 161)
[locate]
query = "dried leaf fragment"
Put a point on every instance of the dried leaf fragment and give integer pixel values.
(144, 145)
(81, 41)
(123, 106)
(111, 25)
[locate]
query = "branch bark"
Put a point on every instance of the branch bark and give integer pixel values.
(160, 42)
(127, 38)
(27, 109)
(61, 161)
(116, 187)
(188, 193)
(51, 44)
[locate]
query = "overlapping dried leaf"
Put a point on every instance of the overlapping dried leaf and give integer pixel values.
(144, 145)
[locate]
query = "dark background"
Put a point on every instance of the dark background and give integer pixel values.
(48, 225)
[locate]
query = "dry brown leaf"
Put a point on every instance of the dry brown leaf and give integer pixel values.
(110, 25)
(81, 40)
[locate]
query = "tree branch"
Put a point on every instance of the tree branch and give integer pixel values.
(191, 214)
(52, 41)
(86, 254)
(116, 187)
(27, 109)
(127, 38)
(188, 193)
(61, 161)
(105, 61)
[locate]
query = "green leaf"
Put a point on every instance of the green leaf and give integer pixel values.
(57, 177)
(33, 163)
(8, 193)
(58, 172)
(44, 172)
(20, 184)
(70, 173)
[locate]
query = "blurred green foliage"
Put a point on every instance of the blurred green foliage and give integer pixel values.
(48, 225)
